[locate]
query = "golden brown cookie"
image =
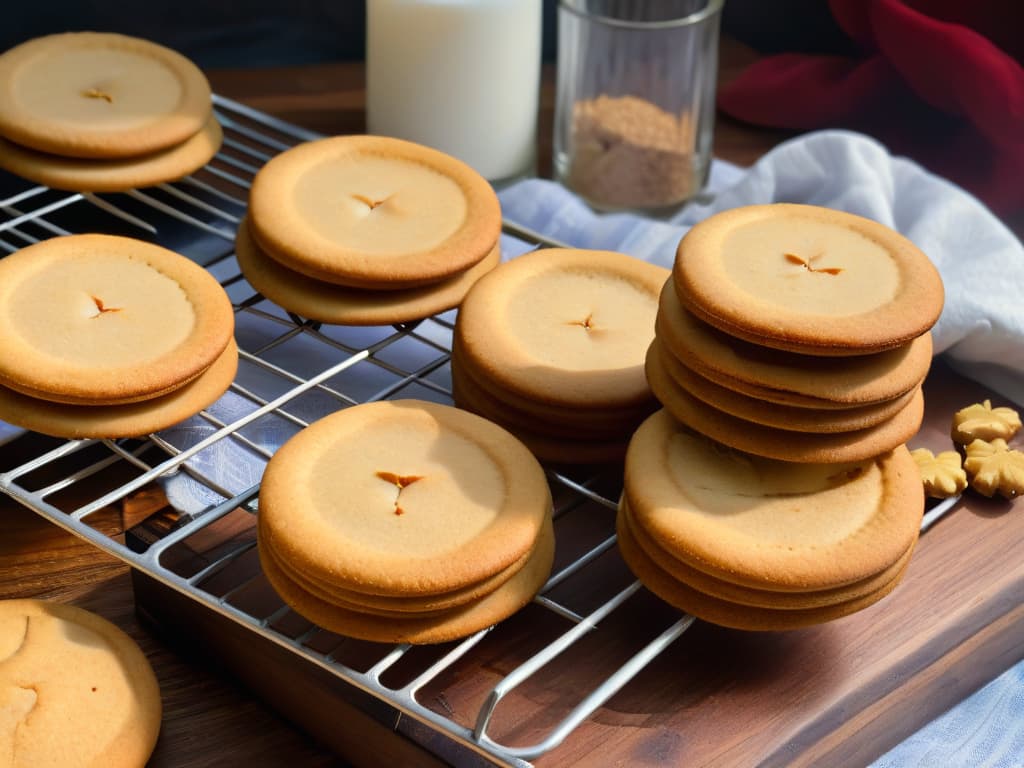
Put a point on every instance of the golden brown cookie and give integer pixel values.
(401, 498)
(942, 475)
(729, 614)
(100, 95)
(786, 377)
(770, 524)
(105, 320)
(129, 420)
(981, 421)
(564, 327)
(332, 303)
(74, 690)
(758, 598)
(807, 279)
(786, 444)
(769, 414)
(435, 628)
(116, 175)
(373, 212)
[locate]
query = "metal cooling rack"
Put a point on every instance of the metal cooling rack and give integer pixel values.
(291, 372)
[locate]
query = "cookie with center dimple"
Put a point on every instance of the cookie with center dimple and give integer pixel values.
(100, 95)
(564, 327)
(373, 212)
(770, 524)
(74, 689)
(807, 279)
(403, 498)
(788, 377)
(99, 319)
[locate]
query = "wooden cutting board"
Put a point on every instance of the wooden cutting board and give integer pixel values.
(838, 694)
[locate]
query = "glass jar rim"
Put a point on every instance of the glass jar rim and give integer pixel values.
(711, 8)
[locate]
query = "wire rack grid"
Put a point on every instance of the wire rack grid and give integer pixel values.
(291, 372)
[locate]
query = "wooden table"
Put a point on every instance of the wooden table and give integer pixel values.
(208, 719)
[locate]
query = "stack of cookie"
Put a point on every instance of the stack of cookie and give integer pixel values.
(368, 230)
(791, 346)
(550, 346)
(104, 336)
(100, 112)
(797, 333)
(759, 544)
(405, 521)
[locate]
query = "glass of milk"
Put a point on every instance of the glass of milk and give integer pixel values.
(462, 76)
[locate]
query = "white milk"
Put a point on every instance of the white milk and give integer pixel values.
(458, 75)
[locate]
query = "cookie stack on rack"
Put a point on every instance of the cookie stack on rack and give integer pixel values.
(405, 521)
(368, 230)
(104, 336)
(102, 112)
(791, 345)
(550, 346)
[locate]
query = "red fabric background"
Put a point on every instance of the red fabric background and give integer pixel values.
(938, 80)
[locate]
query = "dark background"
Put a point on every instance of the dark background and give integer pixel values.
(261, 33)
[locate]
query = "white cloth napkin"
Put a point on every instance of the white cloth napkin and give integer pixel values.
(981, 330)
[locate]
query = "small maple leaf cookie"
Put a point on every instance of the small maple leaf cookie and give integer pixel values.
(983, 422)
(993, 467)
(943, 475)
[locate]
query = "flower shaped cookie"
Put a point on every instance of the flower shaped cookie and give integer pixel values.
(943, 475)
(993, 467)
(983, 422)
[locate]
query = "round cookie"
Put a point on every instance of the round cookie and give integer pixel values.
(668, 376)
(807, 279)
(564, 327)
(403, 497)
(116, 175)
(100, 319)
(727, 614)
(327, 590)
(770, 524)
(373, 212)
(100, 95)
(763, 412)
(758, 598)
(129, 420)
(601, 421)
(787, 377)
(784, 444)
(74, 689)
(437, 628)
(332, 303)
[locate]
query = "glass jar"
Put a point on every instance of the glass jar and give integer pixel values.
(635, 100)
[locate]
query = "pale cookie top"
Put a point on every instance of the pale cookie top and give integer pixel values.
(770, 523)
(564, 326)
(74, 689)
(105, 319)
(403, 498)
(100, 95)
(805, 278)
(373, 212)
(859, 379)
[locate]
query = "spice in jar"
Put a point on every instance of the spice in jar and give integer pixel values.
(630, 153)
